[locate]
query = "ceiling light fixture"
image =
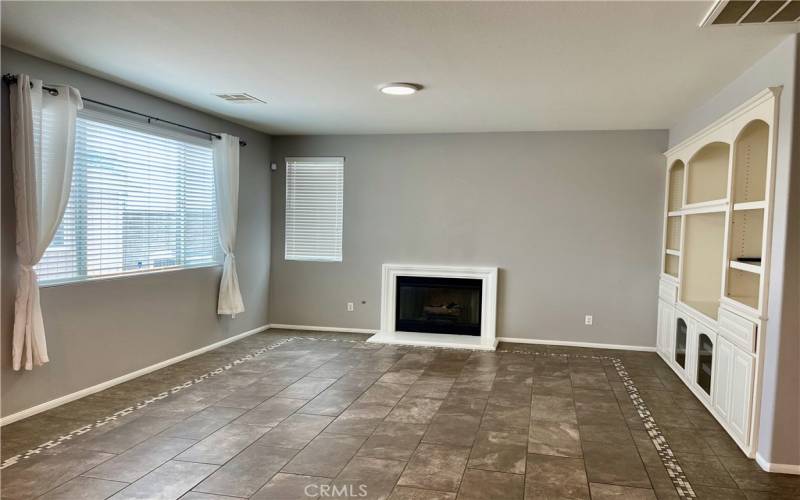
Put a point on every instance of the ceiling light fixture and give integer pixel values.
(400, 88)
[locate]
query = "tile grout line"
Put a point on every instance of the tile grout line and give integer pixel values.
(668, 460)
(138, 406)
(673, 468)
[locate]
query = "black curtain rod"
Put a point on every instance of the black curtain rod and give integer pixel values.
(53, 91)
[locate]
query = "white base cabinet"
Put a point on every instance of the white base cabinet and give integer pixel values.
(710, 360)
(733, 389)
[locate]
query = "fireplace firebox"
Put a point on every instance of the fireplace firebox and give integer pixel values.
(438, 305)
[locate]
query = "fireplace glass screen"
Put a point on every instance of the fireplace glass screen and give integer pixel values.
(438, 305)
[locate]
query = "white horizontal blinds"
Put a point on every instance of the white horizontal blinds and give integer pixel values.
(139, 202)
(314, 192)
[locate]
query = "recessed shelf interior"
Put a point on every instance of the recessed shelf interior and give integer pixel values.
(747, 234)
(702, 266)
(708, 174)
(750, 163)
(675, 195)
(743, 287)
(673, 233)
(671, 264)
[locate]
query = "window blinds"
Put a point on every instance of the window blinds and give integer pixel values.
(314, 192)
(142, 199)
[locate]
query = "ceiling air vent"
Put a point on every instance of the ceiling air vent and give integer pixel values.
(240, 98)
(726, 12)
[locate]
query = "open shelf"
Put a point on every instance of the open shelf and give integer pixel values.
(743, 287)
(707, 177)
(747, 234)
(746, 267)
(675, 186)
(750, 205)
(750, 163)
(704, 242)
(673, 233)
(671, 265)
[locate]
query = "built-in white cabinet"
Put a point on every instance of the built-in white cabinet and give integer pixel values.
(703, 354)
(680, 349)
(733, 388)
(722, 378)
(712, 298)
(665, 335)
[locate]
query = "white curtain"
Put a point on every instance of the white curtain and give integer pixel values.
(42, 148)
(226, 183)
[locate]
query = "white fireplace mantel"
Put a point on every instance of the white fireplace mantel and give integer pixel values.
(388, 335)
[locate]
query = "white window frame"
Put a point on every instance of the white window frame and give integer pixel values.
(157, 130)
(287, 255)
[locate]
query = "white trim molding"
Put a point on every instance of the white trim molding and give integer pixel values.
(779, 468)
(388, 335)
(368, 331)
(48, 405)
(568, 343)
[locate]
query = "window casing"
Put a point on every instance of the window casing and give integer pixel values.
(142, 199)
(314, 205)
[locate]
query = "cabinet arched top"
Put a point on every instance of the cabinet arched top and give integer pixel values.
(757, 126)
(711, 151)
(707, 173)
(762, 106)
(676, 165)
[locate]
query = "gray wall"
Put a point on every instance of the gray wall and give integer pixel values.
(780, 412)
(572, 219)
(101, 330)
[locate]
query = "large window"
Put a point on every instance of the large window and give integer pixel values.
(314, 208)
(142, 199)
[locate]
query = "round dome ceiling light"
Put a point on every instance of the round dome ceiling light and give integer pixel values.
(400, 88)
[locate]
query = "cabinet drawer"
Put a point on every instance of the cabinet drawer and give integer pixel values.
(740, 331)
(668, 292)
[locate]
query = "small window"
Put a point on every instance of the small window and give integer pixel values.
(314, 192)
(142, 199)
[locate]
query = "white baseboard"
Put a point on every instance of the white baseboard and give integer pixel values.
(578, 344)
(323, 328)
(779, 468)
(124, 378)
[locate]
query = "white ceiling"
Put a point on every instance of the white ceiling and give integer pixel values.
(493, 66)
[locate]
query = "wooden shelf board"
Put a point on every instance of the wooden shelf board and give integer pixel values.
(707, 203)
(747, 301)
(750, 205)
(741, 308)
(744, 266)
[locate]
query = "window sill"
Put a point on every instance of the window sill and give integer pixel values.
(121, 276)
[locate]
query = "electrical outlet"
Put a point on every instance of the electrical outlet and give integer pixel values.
(588, 320)
(350, 307)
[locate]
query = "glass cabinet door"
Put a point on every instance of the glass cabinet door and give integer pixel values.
(705, 354)
(680, 343)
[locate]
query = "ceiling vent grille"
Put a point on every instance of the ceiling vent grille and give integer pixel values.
(738, 12)
(240, 98)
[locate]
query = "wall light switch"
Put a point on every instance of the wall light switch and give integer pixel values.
(588, 319)
(350, 306)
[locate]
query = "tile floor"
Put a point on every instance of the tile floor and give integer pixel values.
(346, 419)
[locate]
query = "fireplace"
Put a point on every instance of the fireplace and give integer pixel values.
(438, 305)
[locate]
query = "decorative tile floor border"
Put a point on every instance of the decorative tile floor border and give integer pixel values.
(673, 468)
